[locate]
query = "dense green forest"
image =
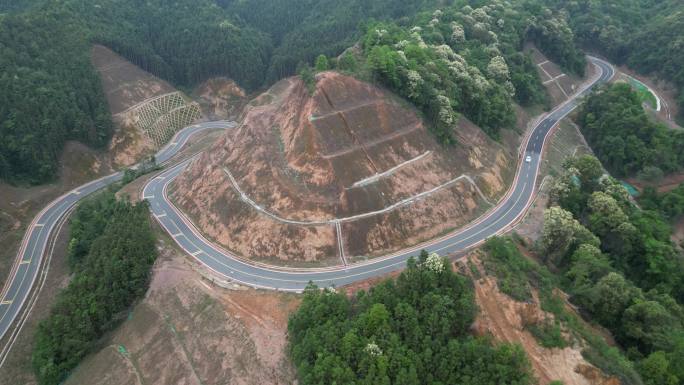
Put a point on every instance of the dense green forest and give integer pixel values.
(670, 204)
(469, 60)
(412, 330)
(644, 34)
(624, 138)
(619, 265)
(7, 6)
(303, 29)
(49, 92)
(111, 255)
(448, 62)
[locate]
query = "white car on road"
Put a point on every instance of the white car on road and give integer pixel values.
(528, 158)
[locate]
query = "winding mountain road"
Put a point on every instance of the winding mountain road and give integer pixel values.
(32, 251)
(498, 220)
(19, 292)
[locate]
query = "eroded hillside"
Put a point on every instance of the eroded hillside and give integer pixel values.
(349, 152)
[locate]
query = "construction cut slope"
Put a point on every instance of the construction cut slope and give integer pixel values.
(347, 172)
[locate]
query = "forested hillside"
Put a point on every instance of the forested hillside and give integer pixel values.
(412, 330)
(464, 59)
(647, 35)
(619, 265)
(111, 255)
(50, 93)
(626, 140)
(303, 29)
(14, 5)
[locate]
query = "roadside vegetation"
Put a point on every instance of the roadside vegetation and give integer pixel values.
(645, 95)
(110, 254)
(410, 330)
(619, 265)
(625, 139)
(670, 204)
(510, 265)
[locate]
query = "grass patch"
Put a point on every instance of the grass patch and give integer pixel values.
(474, 271)
(515, 274)
(548, 334)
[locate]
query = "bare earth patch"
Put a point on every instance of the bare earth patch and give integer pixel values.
(188, 331)
(220, 98)
(126, 85)
(505, 319)
(667, 183)
(346, 150)
(559, 84)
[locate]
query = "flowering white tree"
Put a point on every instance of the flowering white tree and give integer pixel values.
(446, 112)
(434, 262)
(457, 33)
(414, 83)
(481, 15)
(445, 52)
(498, 69)
(561, 229)
(373, 349)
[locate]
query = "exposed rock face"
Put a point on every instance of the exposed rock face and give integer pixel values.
(345, 151)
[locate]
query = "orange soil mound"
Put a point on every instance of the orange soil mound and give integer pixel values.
(305, 157)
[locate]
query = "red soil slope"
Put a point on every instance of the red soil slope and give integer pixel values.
(305, 157)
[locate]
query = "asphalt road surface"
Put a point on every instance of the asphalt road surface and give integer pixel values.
(507, 212)
(28, 263)
(27, 266)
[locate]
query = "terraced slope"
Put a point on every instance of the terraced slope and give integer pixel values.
(347, 172)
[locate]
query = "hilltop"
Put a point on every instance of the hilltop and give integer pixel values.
(343, 152)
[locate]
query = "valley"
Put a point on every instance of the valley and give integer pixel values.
(384, 192)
